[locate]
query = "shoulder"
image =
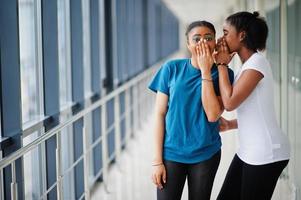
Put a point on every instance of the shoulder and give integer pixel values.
(257, 62)
(176, 62)
(174, 65)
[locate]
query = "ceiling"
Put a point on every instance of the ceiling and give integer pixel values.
(211, 10)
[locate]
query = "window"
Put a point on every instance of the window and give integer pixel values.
(86, 49)
(30, 59)
(65, 92)
(64, 52)
(31, 90)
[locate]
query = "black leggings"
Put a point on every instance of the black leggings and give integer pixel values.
(250, 182)
(200, 179)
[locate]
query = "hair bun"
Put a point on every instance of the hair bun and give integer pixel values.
(255, 14)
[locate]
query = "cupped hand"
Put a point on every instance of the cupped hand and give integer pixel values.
(223, 55)
(204, 56)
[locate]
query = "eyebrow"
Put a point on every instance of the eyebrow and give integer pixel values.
(204, 34)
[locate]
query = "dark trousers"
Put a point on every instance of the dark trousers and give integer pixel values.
(250, 182)
(200, 178)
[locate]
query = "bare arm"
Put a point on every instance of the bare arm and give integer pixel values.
(212, 105)
(159, 126)
(233, 124)
(159, 172)
(233, 96)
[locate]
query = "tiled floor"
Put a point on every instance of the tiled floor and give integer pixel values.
(130, 180)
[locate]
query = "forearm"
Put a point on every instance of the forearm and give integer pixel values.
(225, 87)
(210, 101)
(159, 129)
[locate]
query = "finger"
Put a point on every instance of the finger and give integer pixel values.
(214, 55)
(200, 47)
(223, 46)
(159, 183)
(164, 176)
(154, 179)
(197, 50)
(203, 48)
(207, 49)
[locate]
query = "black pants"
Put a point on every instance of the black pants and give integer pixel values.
(250, 182)
(200, 178)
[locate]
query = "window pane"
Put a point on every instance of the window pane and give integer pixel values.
(32, 170)
(64, 52)
(28, 60)
(86, 50)
(67, 161)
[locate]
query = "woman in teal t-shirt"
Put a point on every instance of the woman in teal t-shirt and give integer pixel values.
(187, 141)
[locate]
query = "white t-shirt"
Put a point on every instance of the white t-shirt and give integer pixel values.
(261, 140)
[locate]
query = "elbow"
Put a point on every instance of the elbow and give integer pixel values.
(213, 117)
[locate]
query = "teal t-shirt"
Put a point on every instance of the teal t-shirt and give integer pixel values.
(189, 136)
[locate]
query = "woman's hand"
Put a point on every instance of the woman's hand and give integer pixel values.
(222, 55)
(224, 125)
(204, 56)
(159, 175)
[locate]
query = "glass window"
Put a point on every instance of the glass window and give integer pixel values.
(67, 161)
(31, 90)
(86, 50)
(33, 184)
(293, 84)
(63, 7)
(64, 52)
(31, 73)
(273, 49)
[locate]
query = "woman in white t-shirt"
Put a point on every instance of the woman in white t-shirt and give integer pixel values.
(263, 149)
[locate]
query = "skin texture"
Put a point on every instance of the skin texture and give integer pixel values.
(201, 44)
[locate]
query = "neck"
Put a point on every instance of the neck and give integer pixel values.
(245, 54)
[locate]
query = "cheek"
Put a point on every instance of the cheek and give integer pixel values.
(191, 48)
(228, 39)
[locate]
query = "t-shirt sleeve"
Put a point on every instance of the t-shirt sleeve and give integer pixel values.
(259, 64)
(256, 68)
(160, 81)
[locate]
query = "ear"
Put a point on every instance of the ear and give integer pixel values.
(188, 45)
(242, 36)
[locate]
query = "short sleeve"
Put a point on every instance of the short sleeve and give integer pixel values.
(257, 63)
(160, 82)
(256, 68)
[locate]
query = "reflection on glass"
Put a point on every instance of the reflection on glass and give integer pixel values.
(86, 49)
(32, 170)
(294, 93)
(64, 52)
(28, 59)
(67, 161)
(29, 68)
(65, 96)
